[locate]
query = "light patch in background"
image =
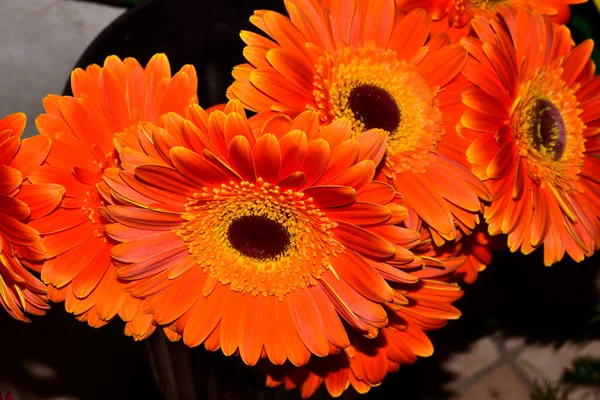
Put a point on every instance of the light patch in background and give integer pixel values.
(41, 42)
(40, 371)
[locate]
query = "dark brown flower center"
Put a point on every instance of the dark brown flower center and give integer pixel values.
(547, 131)
(258, 237)
(374, 107)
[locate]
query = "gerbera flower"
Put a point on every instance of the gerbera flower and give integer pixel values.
(534, 126)
(20, 247)
(107, 100)
(477, 247)
(355, 60)
(367, 362)
(458, 13)
(262, 244)
(444, 26)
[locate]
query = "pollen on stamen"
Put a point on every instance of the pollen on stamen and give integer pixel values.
(374, 107)
(546, 129)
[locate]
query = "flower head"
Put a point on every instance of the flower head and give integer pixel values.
(20, 247)
(354, 61)
(477, 248)
(533, 127)
(260, 243)
(107, 100)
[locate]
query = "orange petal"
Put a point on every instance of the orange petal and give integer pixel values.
(14, 208)
(295, 348)
(360, 214)
(372, 145)
(315, 160)
(378, 22)
(293, 68)
(152, 265)
(409, 35)
(441, 66)
(341, 158)
(204, 316)
(362, 314)
(63, 241)
(293, 150)
(377, 192)
(252, 326)
(145, 219)
(308, 321)
(162, 176)
(334, 329)
(272, 338)
(10, 180)
(358, 176)
(60, 220)
(139, 249)
(362, 277)
(14, 122)
(278, 124)
(241, 159)
(330, 196)
(8, 149)
(199, 170)
(267, 158)
(276, 86)
(428, 204)
(230, 325)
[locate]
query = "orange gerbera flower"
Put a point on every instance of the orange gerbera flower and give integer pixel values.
(458, 13)
(239, 249)
(476, 249)
(445, 26)
(107, 100)
(534, 127)
(354, 60)
(20, 247)
(367, 361)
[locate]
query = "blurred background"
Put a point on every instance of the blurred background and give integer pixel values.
(525, 332)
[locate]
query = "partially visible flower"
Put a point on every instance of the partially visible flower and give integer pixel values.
(477, 248)
(20, 248)
(355, 60)
(533, 126)
(262, 244)
(107, 100)
(367, 361)
(445, 26)
(458, 13)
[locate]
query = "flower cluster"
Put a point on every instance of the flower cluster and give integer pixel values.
(371, 156)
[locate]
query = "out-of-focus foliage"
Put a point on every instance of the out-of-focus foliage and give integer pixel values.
(584, 372)
(547, 391)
